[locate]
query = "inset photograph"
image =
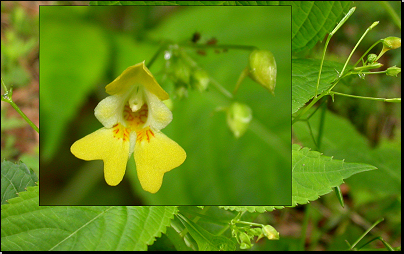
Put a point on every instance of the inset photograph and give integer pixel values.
(169, 105)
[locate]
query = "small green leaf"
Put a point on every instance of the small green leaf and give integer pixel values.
(252, 209)
(27, 226)
(205, 240)
(315, 174)
(15, 178)
(312, 20)
(304, 79)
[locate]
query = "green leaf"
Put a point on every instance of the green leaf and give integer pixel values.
(342, 140)
(14, 179)
(311, 21)
(27, 226)
(73, 58)
(315, 174)
(304, 79)
(205, 240)
(251, 209)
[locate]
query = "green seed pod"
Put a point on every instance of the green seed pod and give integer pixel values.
(200, 79)
(372, 58)
(270, 232)
(255, 231)
(245, 241)
(244, 246)
(392, 42)
(262, 67)
(177, 67)
(393, 71)
(181, 92)
(238, 118)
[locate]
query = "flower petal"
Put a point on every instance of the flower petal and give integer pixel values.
(159, 115)
(136, 75)
(105, 145)
(155, 154)
(109, 110)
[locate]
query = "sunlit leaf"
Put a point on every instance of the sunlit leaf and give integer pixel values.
(312, 20)
(304, 79)
(205, 240)
(27, 226)
(15, 177)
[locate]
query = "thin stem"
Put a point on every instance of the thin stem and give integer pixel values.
(311, 133)
(357, 44)
(162, 47)
(368, 98)
(370, 72)
(388, 246)
(321, 126)
(343, 20)
(307, 215)
(367, 231)
(221, 89)
(243, 75)
(4, 86)
(248, 223)
(7, 97)
(307, 107)
(392, 13)
(367, 51)
(206, 46)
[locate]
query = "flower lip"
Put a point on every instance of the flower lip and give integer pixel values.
(136, 74)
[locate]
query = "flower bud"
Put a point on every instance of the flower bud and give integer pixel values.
(244, 246)
(181, 92)
(200, 79)
(238, 118)
(256, 231)
(245, 241)
(391, 42)
(177, 68)
(372, 58)
(393, 71)
(263, 68)
(270, 232)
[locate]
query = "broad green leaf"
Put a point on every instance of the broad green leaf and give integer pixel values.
(312, 20)
(15, 178)
(313, 175)
(304, 79)
(342, 140)
(73, 58)
(27, 226)
(205, 240)
(251, 209)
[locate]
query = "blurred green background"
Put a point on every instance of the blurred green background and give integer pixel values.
(83, 48)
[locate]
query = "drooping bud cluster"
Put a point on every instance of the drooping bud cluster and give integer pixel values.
(183, 72)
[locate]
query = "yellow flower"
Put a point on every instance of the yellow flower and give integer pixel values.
(132, 117)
